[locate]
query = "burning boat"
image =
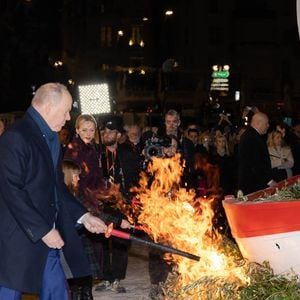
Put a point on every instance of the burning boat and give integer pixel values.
(267, 228)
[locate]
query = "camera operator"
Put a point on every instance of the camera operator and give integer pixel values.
(171, 126)
(158, 268)
(156, 146)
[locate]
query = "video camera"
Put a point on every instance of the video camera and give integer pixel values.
(154, 146)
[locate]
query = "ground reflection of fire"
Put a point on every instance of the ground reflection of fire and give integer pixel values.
(171, 215)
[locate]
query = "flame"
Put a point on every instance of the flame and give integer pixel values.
(172, 215)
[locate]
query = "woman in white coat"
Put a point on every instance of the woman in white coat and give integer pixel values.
(281, 156)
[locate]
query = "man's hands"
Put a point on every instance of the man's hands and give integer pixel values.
(93, 224)
(53, 239)
(126, 225)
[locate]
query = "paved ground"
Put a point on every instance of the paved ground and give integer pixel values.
(137, 281)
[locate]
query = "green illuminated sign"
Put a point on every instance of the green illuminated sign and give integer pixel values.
(220, 74)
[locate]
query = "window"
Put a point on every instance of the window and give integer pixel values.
(106, 37)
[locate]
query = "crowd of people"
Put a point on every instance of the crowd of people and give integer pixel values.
(57, 188)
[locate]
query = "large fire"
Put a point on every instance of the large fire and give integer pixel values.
(172, 216)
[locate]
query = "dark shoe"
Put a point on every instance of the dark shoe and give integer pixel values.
(103, 286)
(156, 292)
(116, 287)
(76, 292)
(87, 293)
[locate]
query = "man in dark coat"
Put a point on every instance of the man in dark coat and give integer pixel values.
(254, 165)
(38, 215)
(121, 165)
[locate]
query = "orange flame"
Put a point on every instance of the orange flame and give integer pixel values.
(172, 215)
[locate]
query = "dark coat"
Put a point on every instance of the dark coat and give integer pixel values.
(254, 165)
(127, 167)
(28, 209)
(91, 177)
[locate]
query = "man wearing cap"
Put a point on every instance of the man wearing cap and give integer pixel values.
(120, 165)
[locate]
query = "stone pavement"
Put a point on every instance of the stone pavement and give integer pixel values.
(137, 281)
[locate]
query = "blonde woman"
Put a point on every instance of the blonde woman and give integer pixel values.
(281, 156)
(221, 157)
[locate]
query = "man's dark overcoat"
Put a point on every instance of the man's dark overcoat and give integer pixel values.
(29, 209)
(254, 165)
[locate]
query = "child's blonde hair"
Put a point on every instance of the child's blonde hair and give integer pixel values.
(68, 168)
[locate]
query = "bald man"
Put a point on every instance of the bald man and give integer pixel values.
(254, 165)
(38, 215)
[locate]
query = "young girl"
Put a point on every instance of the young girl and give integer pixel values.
(71, 172)
(81, 288)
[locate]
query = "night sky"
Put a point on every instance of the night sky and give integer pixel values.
(30, 34)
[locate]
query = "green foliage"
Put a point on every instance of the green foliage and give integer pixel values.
(290, 192)
(263, 285)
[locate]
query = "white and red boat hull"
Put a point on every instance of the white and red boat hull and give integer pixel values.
(267, 231)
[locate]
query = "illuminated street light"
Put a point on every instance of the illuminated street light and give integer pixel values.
(58, 63)
(169, 12)
(130, 43)
(145, 19)
(94, 99)
(120, 32)
(226, 67)
(71, 81)
(142, 44)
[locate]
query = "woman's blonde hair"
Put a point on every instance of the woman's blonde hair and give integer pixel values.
(221, 137)
(271, 136)
(86, 118)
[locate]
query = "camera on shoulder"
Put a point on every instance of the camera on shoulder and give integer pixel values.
(154, 146)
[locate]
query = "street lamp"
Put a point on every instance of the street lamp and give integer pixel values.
(169, 12)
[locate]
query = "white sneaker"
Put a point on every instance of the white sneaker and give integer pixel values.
(116, 287)
(104, 285)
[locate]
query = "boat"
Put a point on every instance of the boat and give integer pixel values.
(267, 230)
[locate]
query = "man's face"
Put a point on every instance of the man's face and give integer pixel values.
(110, 137)
(57, 113)
(264, 125)
(134, 135)
(220, 142)
(172, 123)
(194, 137)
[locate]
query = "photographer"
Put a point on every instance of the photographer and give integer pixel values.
(159, 147)
(171, 126)
(165, 147)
